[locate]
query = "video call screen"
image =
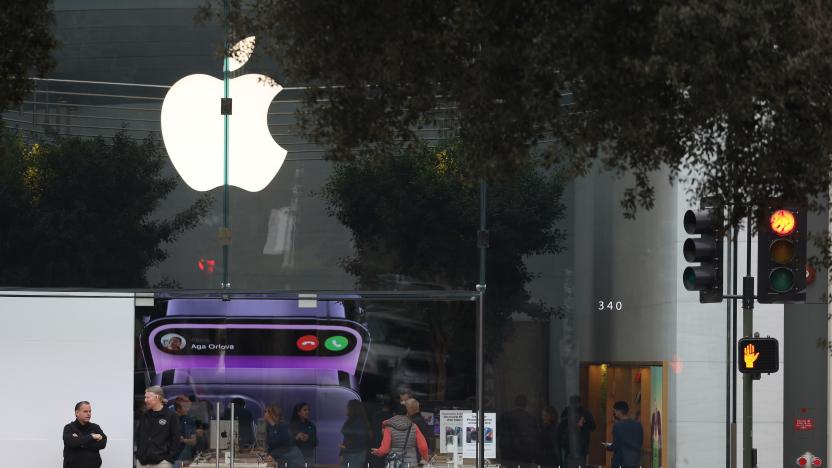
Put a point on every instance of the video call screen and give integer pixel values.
(255, 342)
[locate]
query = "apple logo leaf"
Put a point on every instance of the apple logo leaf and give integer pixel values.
(240, 53)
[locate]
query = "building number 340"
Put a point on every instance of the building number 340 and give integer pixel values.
(610, 305)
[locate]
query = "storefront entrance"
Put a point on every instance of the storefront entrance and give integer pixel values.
(644, 387)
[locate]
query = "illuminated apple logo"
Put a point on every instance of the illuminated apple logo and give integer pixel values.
(193, 129)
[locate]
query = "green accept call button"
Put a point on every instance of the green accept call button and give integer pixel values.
(336, 343)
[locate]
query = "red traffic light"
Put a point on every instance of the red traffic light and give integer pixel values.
(817, 461)
(206, 265)
(782, 222)
(802, 460)
(781, 254)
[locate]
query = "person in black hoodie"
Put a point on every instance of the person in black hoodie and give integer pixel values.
(159, 432)
(83, 439)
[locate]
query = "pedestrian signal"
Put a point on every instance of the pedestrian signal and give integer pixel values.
(758, 356)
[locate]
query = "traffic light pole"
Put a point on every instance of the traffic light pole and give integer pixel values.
(731, 266)
(734, 271)
(748, 452)
(482, 243)
(747, 330)
(781, 277)
(747, 379)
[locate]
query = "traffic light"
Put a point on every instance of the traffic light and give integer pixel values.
(758, 355)
(781, 257)
(705, 250)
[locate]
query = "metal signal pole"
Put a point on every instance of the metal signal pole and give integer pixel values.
(482, 243)
(225, 231)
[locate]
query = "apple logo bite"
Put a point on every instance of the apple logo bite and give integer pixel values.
(193, 129)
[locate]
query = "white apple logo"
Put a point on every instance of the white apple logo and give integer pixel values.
(193, 129)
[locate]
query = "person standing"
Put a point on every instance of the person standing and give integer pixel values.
(519, 434)
(187, 429)
(383, 413)
(574, 430)
(200, 412)
(627, 437)
(304, 431)
(414, 412)
(279, 441)
(356, 431)
(159, 433)
(402, 437)
(83, 439)
(549, 449)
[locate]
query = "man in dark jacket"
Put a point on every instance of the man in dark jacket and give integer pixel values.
(159, 433)
(518, 435)
(83, 439)
(627, 438)
(574, 430)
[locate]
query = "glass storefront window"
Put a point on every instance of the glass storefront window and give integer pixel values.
(326, 364)
(583, 309)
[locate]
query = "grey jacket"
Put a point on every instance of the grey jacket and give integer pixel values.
(399, 426)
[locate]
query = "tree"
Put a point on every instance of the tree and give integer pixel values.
(732, 95)
(28, 42)
(414, 213)
(80, 212)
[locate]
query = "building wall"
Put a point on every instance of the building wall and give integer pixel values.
(59, 349)
(639, 262)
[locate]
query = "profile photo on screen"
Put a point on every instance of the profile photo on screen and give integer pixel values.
(173, 342)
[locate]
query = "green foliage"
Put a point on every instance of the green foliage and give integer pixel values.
(414, 213)
(27, 44)
(79, 212)
(731, 95)
(379, 70)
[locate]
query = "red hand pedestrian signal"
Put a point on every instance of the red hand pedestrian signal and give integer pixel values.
(758, 355)
(749, 356)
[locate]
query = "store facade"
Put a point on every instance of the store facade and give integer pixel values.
(275, 274)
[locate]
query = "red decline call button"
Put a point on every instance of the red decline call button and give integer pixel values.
(308, 343)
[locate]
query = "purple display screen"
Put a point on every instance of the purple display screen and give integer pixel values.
(177, 345)
(255, 341)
